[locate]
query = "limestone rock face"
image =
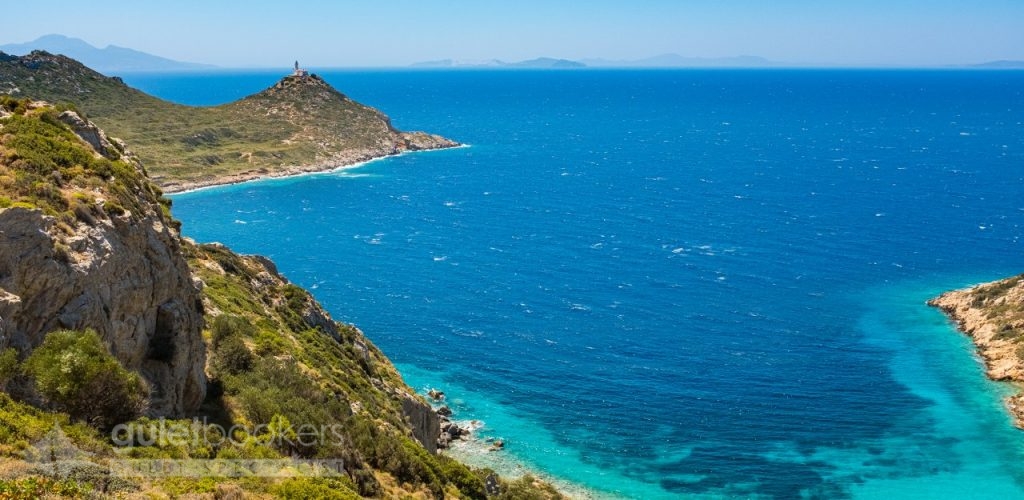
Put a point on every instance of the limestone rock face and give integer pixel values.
(425, 423)
(122, 274)
(90, 133)
(984, 323)
(125, 279)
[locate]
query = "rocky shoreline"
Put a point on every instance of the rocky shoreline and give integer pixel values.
(452, 430)
(412, 142)
(460, 439)
(992, 314)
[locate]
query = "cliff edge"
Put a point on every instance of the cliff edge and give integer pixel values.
(87, 242)
(992, 314)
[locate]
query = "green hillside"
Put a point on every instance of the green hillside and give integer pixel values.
(299, 124)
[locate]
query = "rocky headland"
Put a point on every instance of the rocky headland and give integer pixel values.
(301, 124)
(992, 314)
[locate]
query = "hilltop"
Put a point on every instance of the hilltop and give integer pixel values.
(110, 59)
(111, 320)
(300, 124)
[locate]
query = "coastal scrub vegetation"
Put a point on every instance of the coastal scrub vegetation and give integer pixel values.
(328, 380)
(299, 121)
(275, 362)
(1001, 304)
(45, 165)
(992, 291)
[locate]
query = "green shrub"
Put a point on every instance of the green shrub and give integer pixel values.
(295, 304)
(21, 424)
(189, 487)
(8, 365)
(398, 455)
(1007, 332)
(462, 477)
(113, 208)
(228, 326)
(83, 212)
(527, 488)
(270, 343)
(275, 390)
(10, 104)
(232, 356)
(62, 253)
(303, 488)
(39, 487)
(75, 372)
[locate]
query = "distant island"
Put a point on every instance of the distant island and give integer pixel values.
(678, 61)
(660, 61)
(1003, 64)
(538, 63)
(109, 60)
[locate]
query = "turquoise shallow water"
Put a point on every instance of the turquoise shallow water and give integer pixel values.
(673, 283)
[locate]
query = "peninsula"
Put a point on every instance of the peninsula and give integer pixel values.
(992, 314)
(299, 125)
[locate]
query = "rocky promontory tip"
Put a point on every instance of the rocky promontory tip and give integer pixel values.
(992, 314)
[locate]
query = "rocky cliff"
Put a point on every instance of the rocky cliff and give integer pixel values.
(102, 266)
(992, 314)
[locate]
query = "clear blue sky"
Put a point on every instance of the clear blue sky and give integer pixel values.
(323, 33)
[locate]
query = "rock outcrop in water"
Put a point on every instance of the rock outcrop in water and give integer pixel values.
(992, 314)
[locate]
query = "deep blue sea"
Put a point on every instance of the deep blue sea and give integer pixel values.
(661, 284)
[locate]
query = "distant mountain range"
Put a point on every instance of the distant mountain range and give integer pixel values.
(109, 60)
(1000, 65)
